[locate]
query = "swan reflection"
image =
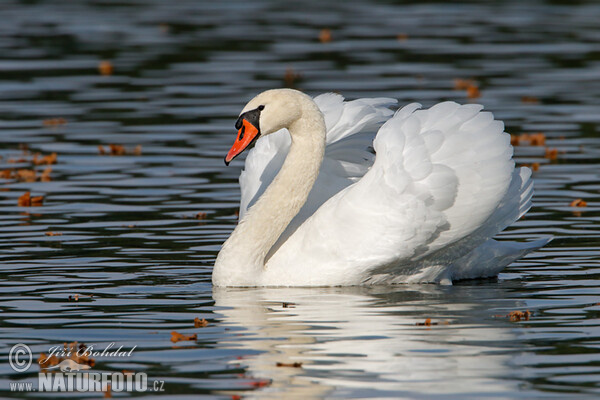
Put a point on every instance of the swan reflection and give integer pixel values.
(365, 340)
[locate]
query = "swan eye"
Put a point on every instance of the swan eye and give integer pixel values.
(261, 107)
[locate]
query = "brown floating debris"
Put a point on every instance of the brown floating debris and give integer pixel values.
(119, 150)
(516, 316)
(53, 122)
(532, 139)
(105, 68)
(201, 215)
(473, 92)
(292, 365)
(578, 203)
(45, 176)
(37, 201)
(551, 154)
(290, 77)
(200, 323)
(53, 234)
(261, 383)
(519, 315)
(530, 100)
(401, 37)
(25, 175)
(463, 84)
(470, 85)
(116, 149)
(288, 305)
(325, 36)
(49, 159)
(71, 351)
(177, 337)
(25, 200)
(426, 323)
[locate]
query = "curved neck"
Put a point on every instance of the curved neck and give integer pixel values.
(264, 222)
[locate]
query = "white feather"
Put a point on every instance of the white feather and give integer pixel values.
(425, 207)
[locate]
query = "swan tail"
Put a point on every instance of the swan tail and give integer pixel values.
(478, 255)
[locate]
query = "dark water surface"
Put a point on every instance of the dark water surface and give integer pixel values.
(140, 262)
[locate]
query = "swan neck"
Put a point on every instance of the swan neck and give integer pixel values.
(268, 218)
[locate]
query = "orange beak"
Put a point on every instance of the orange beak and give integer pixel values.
(247, 134)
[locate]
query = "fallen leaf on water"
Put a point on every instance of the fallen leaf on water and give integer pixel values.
(45, 176)
(54, 122)
(201, 215)
(291, 77)
(49, 159)
(107, 392)
(53, 234)
(578, 203)
(44, 361)
(25, 200)
(200, 323)
(105, 68)
(26, 175)
(119, 150)
(116, 149)
(37, 201)
(519, 315)
(325, 36)
(76, 353)
(261, 383)
(537, 139)
(473, 92)
(551, 154)
(177, 337)
(426, 323)
(530, 99)
(463, 84)
(516, 316)
(293, 365)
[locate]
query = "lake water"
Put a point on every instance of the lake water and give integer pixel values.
(140, 261)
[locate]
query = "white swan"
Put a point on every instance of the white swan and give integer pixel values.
(423, 208)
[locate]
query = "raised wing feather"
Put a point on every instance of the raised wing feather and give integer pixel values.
(439, 174)
(350, 130)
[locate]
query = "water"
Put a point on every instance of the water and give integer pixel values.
(140, 261)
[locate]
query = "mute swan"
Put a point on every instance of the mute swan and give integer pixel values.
(423, 208)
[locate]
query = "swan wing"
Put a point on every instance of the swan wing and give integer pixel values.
(438, 176)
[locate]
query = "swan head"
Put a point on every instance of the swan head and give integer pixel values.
(267, 113)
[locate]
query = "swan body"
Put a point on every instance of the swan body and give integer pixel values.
(318, 208)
